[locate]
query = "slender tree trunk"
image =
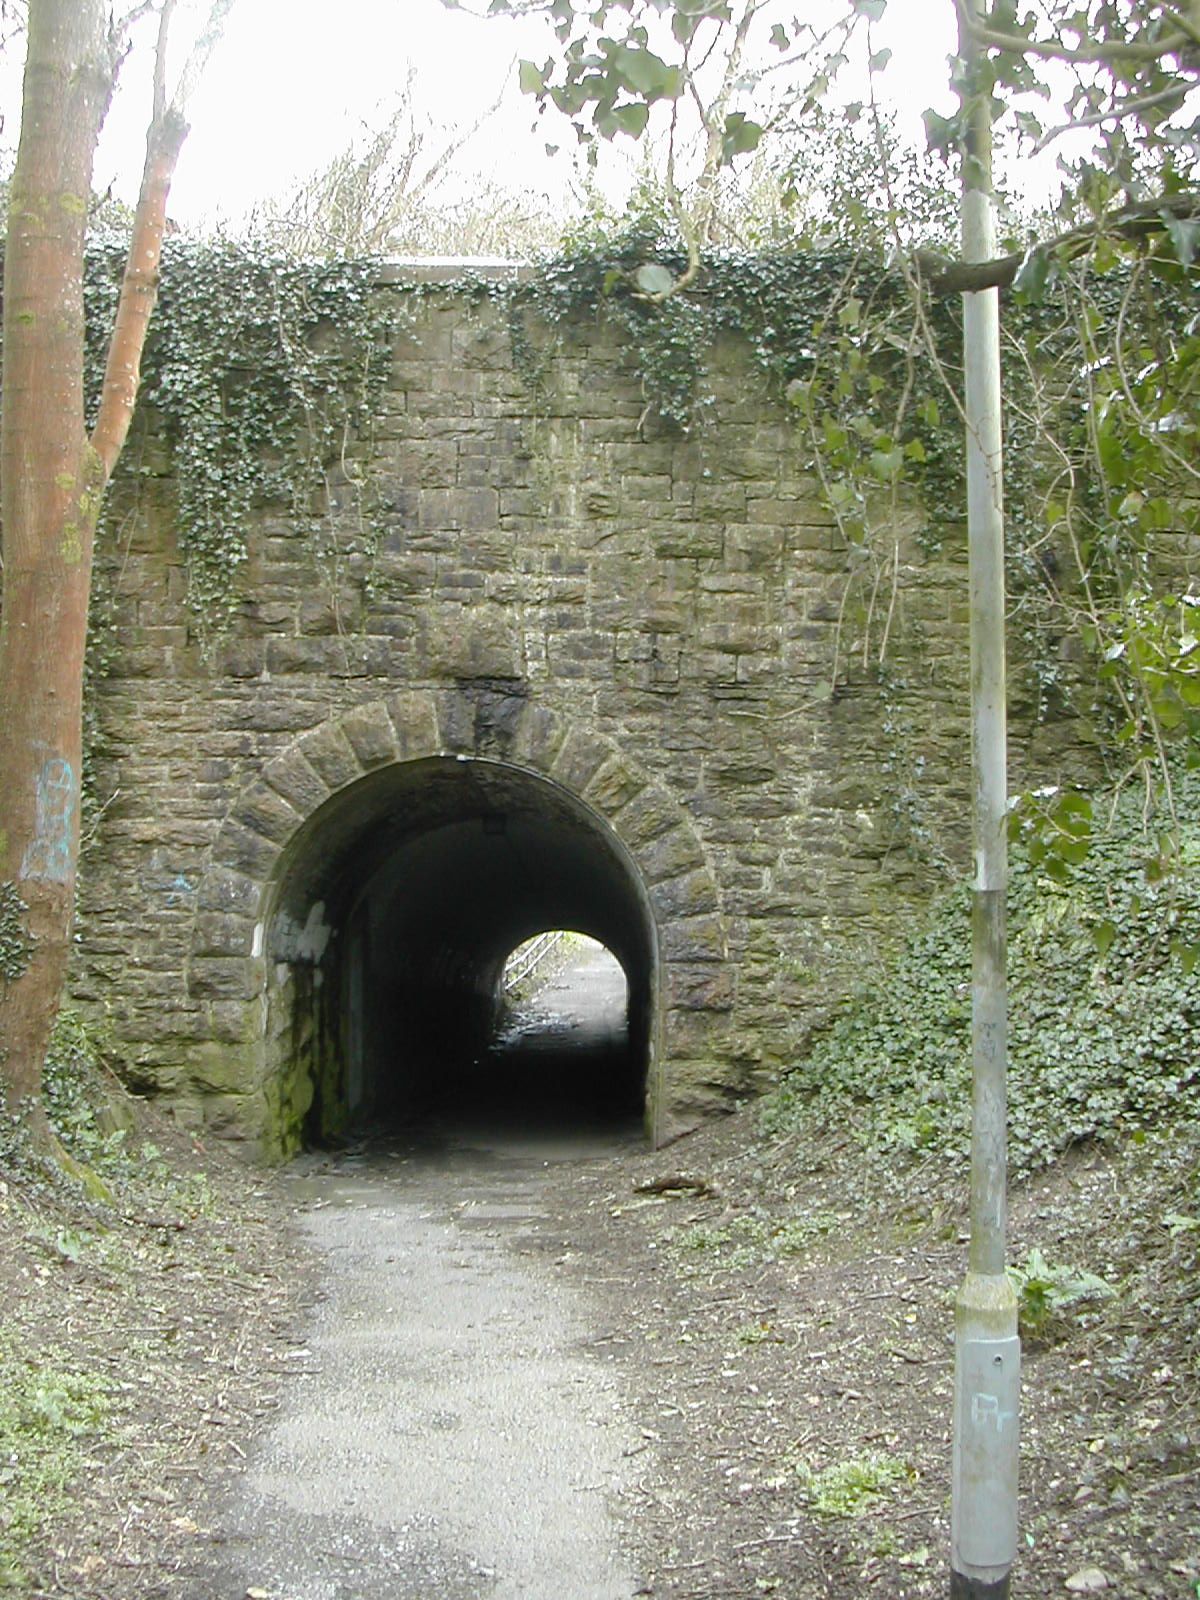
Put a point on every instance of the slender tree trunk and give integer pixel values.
(50, 486)
(53, 477)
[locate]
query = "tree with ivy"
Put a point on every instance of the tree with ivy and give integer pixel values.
(55, 464)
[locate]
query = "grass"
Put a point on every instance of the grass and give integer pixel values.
(49, 1415)
(856, 1485)
(751, 1240)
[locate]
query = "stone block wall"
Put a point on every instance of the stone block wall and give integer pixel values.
(676, 604)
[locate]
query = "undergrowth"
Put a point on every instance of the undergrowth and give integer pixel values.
(48, 1414)
(93, 1210)
(851, 1487)
(1104, 1010)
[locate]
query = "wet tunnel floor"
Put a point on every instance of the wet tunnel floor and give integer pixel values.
(445, 1433)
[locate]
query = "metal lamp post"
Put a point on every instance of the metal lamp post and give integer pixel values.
(987, 1349)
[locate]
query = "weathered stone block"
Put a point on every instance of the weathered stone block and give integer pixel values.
(222, 933)
(223, 978)
(647, 815)
(414, 717)
(670, 855)
(690, 541)
(267, 813)
(538, 738)
(472, 641)
(579, 759)
(331, 756)
(371, 735)
(613, 786)
(469, 510)
(693, 939)
(226, 891)
(688, 896)
(245, 851)
(699, 986)
(298, 781)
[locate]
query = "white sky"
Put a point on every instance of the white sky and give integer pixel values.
(293, 79)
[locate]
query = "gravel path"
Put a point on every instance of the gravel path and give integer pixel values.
(446, 1434)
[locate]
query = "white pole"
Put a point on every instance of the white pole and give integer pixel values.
(987, 1349)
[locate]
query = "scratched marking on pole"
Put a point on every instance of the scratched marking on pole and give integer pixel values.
(987, 1412)
(48, 854)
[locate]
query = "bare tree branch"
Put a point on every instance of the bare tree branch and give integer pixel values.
(1095, 54)
(122, 27)
(1177, 92)
(159, 105)
(944, 276)
(198, 57)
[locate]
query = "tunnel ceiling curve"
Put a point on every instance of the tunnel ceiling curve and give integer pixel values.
(473, 853)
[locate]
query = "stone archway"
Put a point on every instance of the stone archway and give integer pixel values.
(303, 805)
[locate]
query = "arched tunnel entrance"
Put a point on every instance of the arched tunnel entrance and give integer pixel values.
(395, 909)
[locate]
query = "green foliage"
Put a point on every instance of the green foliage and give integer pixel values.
(1087, 493)
(1104, 1008)
(750, 1240)
(793, 308)
(48, 1413)
(1047, 1290)
(262, 374)
(606, 78)
(852, 1487)
(1102, 481)
(15, 943)
(71, 1091)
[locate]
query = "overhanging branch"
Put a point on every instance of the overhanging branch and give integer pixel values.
(942, 275)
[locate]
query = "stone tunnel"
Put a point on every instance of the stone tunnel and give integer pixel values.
(395, 908)
(550, 663)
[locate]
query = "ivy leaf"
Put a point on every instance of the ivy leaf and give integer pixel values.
(655, 279)
(1032, 276)
(1184, 234)
(942, 134)
(532, 78)
(1103, 934)
(647, 74)
(1186, 953)
(740, 137)
(630, 118)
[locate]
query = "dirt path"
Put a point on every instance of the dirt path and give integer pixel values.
(445, 1434)
(580, 1007)
(570, 1367)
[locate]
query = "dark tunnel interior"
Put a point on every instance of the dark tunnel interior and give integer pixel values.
(398, 905)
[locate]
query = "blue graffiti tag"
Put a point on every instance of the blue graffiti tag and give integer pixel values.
(48, 856)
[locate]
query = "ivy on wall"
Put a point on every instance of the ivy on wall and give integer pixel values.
(1102, 369)
(16, 945)
(1105, 999)
(260, 374)
(263, 375)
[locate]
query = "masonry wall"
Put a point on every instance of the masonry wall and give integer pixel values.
(661, 616)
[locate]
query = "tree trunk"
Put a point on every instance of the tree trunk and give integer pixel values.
(51, 481)
(53, 477)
